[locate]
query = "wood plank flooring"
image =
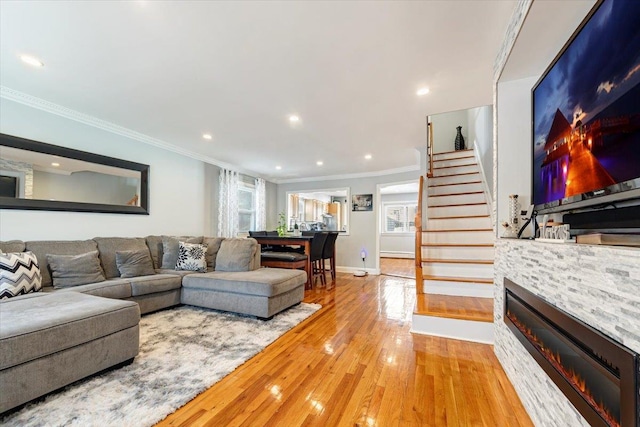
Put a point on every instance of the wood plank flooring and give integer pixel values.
(400, 267)
(355, 363)
(454, 307)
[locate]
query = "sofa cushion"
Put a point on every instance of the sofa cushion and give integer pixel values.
(154, 243)
(19, 274)
(180, 273)
(192, 257)
(12, 246)
(111, 288)
(213, 246)
(36, 327)
(171, 249)
(266, 282)
(108, 246)
(153, 284)
(74, 270)
(134, 263)
(57, 247)
(283, 256)
(236, 254)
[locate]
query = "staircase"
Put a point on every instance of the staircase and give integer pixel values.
(456, 296)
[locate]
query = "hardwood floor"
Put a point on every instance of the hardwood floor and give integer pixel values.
(400, 267)
(453, 307)
(355, 363)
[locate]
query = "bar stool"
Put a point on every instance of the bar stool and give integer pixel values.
(328, 252)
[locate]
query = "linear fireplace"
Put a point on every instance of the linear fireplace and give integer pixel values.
(597, 374)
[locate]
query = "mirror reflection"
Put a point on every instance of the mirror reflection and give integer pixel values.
(31, 175)
(326, 210)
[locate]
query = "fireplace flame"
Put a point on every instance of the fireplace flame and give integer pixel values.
(576, 381)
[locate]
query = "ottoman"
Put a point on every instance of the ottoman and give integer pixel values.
(50, 340)
(261, 293)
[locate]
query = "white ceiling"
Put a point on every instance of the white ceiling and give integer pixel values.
(173, 70)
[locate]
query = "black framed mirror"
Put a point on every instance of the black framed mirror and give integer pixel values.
(39, 176)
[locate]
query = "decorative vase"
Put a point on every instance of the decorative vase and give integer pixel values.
(459, 139)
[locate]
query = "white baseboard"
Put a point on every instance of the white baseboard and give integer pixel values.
(407, 255)
(466, 330)
(372, 271)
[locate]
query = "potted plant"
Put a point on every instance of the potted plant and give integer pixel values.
(282, 224)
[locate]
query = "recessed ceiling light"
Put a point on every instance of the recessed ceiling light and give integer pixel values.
(31, 61)
(278, 167)
(422, 91)
(319, 163)
(207, 136)
(55, 164)
(293, 118)
(367, 156)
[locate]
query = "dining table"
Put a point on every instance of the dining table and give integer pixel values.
(291, 240)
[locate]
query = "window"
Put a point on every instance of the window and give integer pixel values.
(399, 217)
(246, 207)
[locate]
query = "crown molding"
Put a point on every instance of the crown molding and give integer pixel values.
(68, 113)
(413, 168)
(49, 107)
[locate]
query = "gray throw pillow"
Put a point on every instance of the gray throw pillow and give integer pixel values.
(75, 270)
(134, 263)
(236, 254)
(171, 249)
(213, 246)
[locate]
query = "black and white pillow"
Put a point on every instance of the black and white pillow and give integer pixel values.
(192, 257)
(19, 274)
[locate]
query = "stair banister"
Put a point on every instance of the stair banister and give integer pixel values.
(418, 249)
(429, 148)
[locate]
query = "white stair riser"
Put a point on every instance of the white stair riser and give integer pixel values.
(470, 210)
(455, 170)
(462, 289)
(453, 162)
(457, 199)
(455, 179)
(467, 330)
(452, 155)
(462, 252)
(455, 189)
(458, 223)
(466, 237)
(480, 271)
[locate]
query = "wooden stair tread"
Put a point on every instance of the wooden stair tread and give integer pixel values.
(460, 245)
(458, 261)
(454, 183)
(483, 280)
(456, 166)
(454, 158)
(458, 204)
(457, 230)
(454, 151)
(455, 307)
(456, 174)
(456, 194)
(458, 217)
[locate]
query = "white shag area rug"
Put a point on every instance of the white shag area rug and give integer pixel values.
(183, 351)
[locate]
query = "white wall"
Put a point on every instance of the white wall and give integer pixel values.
(362, 225)
(514, 145)
(84, 186)
(178, 202)
(444, 130)
(400, 245)
(480, 126)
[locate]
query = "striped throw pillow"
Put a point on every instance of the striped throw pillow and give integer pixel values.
(19, 274)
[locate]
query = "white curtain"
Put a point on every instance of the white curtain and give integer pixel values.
(228, 204)
(261, 209)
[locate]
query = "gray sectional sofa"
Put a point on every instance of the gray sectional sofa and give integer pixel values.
(82, 329)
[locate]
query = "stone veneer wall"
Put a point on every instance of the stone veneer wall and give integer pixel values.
(599, 285)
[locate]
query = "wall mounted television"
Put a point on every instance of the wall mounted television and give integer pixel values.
(586, 115)
(8, 186)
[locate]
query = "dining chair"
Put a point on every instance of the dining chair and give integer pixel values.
(317, 246)
(328, 252)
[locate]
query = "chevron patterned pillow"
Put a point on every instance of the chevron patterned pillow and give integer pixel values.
(19, 274)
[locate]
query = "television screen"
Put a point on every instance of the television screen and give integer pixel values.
(586, 112)
(8, 186)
